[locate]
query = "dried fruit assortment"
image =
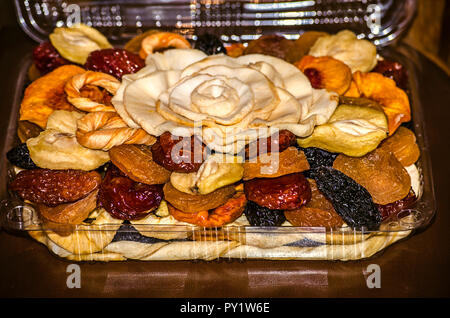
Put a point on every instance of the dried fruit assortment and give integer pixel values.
(89, 139)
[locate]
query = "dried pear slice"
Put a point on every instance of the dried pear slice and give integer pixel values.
(352, 130)
(75, 43)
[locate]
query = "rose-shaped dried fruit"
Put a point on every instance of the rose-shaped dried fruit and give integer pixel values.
(126, 199)
(326, 72)
(379, 172)
(116, 62)
(177, 153)
(288, 192)
(53, 187)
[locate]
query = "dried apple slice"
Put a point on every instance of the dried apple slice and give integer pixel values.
(352, 130)
(75, 43)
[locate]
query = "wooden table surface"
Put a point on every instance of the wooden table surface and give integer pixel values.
(417, 267)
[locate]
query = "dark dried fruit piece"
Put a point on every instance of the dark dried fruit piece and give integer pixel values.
(394, 71)
(350, 200)
(46, 58)
(261, 216)
(272, 44)
(317, 158)
(283, 193)
(281, 140)
(116, 62)
(126, 199)
(209, 44)
(20, 157)
(27, 130)
(392, 209)
(177, 153)
(53, 187)
(314, 77)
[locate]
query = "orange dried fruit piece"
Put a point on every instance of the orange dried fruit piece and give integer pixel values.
(326, 72)
(46, 94)
(403, 145)
(235, 49)
(275, 165)
(379, 172)
(304, 43)
(383, 90)
(318, 212)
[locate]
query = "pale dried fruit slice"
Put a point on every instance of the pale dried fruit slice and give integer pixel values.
(75, 43)
(216, 172)
(379, 172)
(352, 130)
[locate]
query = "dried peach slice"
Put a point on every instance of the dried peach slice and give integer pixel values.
(326, 72)
(379, 172)
(384, 90)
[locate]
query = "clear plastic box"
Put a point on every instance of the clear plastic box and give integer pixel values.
(234, 21)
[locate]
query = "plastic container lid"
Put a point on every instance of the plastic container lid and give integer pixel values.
(381, 21)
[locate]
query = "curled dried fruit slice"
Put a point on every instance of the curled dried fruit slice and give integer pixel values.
(53, 187)
(226, 213)
(379, 172)
(161, 40)
(332, 74)
(403, 145)
(193, 203)
(275, 165)
(75, 43)
(126, 199)
(383, 90)
(350, 200)
(136, 161)
(283, 193)
(318, 212)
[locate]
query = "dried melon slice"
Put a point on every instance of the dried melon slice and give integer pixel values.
(352, 130)
(75, 43)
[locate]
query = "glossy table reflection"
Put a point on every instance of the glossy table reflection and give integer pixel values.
(417, 267)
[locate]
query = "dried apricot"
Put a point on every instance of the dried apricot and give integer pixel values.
(226, 213)
(193, 203)
(403, 145)
(136, 161)
(53, 187)
(379, 172)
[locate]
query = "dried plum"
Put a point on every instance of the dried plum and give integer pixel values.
(209, 44)
(261, 216)
(317, 158)
(20, 157)
(350, 200)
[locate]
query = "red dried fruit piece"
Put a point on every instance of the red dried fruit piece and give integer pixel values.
(53, 187)
(186, 157)
(394, 71)
(284, 139)
(314, 77)
(116, 62)
(126, 199)
(46, 58)
(391, 209)
(283, 193)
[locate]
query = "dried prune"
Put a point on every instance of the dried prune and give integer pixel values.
(261, 216)
(282, 140)
(394, 208)
(126, 199)
(317, 158)
(20, 157)
(209, 44)
(188, 158)
(284, 193)
(350, 200)
(54, 187)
